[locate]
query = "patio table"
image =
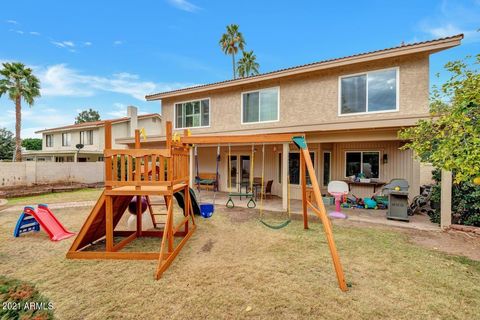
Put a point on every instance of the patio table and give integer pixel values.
(375, 185)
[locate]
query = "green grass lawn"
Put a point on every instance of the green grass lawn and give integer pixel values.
(78, 195)
(235, 268)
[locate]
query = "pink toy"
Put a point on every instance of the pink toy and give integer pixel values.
(338, 189)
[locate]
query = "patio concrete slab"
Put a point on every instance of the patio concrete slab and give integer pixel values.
(418, 222)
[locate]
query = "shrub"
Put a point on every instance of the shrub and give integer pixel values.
(21, 301)
(465, 202)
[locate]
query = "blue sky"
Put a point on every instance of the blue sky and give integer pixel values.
(106, 55)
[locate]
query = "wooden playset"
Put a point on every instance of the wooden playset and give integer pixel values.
(171, 175)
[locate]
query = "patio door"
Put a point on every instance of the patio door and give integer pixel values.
(239, 167)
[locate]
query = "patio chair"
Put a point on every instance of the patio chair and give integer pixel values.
(338, 189)
(268, 189)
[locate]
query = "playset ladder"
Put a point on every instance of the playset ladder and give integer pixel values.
(153, 215)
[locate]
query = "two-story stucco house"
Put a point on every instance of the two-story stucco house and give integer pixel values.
(60, 144)
(349, 108)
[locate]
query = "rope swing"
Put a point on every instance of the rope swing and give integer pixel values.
(262, 215)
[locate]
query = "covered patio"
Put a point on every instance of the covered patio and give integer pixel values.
(274, 204)
(336, 155)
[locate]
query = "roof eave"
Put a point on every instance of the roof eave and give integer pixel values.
(434, 46)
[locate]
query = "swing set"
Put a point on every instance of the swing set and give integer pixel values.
(172, 175)
(317, 205)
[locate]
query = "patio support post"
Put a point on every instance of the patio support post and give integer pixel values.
(191, 167)
(446, 200)
(285, 152)
(415, 178)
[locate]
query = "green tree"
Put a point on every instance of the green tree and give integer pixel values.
(32, 143)
(232, 41)
(451, 138)
(247, 65)
(19, 82)
(7, 144)
(89, 115)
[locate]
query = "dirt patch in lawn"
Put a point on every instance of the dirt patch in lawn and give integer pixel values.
(207, 247)
(452, 242)
(240, 215)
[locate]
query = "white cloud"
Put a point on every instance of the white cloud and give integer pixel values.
(11, 21)
(87, 43)
(63, 44)
(120, 110)
(60, 80)
(452, 18)
(34, 33)
(117, 42)
(184, 5)
(19, 31)
(51, 117)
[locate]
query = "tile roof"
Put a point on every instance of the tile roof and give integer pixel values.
(97, 123)
(317, 63)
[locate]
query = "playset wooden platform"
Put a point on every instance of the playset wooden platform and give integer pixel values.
(169, 175)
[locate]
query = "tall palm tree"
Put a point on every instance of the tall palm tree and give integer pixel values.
(232, 41)
(19, 82)
(247, 65)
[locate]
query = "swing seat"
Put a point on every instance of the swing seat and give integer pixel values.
(276, 226)
(207, 209)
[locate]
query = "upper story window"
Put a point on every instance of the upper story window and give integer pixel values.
(369, 92)
(66, 139)
(260, 105)
(86, 137)
(192, 114)
(48, 140)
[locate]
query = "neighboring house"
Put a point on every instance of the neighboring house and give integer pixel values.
(350, 110)
(59, 144)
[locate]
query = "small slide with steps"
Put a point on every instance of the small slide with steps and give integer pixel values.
(33, 219)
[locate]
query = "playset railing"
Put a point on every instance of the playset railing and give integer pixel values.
(145, 167)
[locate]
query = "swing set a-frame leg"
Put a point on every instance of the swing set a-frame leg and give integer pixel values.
(321, 213)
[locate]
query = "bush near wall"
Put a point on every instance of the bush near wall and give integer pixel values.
(20, 300)
(465, 202)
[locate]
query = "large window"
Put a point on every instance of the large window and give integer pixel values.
(375, 91)
(366, 162)
(192, 114)
(260, 106)
(48, 140)
(86, 137)
(66, 139)
(294, 167)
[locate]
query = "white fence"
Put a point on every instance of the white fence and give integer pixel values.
(33, 172)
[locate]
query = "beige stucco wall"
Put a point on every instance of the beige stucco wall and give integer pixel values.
(28, 173)
(313, 99)
(426, 173)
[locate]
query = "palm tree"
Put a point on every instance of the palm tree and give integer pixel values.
(19, 82)
(247, 65)
(231, 42)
